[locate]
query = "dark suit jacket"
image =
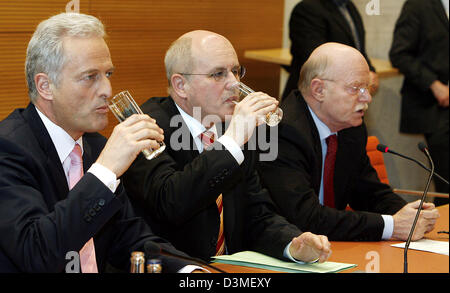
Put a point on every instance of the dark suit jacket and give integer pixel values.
(420, 51)
(293, 179)
(41, 220)
(177, 191)
(313, 23)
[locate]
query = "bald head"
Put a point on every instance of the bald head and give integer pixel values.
(334, 82)
(330, 61)
(185, 53)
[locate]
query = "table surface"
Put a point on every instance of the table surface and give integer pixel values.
(283, 56)
(380, 256)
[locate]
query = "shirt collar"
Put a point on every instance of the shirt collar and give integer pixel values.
(62, 141)
(195, 127)
(322, 128)
(341, 3)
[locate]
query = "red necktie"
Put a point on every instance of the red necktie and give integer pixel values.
(207, 138)
(328, 171)
(87, 253)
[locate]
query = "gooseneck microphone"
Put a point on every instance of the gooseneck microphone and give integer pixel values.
(424, 149)
(385, 149)
(153, 249)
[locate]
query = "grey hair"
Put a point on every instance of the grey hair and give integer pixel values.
(179, 58)
(45, 52)
(313, 67)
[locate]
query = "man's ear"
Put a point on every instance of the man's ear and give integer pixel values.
(43, 86)
(317, 89)
(179, 85)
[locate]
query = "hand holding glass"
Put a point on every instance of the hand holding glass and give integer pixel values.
(123, 106)
(271, 118)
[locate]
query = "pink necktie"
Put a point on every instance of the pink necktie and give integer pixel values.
(87, 253)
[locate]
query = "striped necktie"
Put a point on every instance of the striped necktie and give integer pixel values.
(207, 138)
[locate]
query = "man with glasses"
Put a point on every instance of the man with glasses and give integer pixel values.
(203, 192)
(322, 164)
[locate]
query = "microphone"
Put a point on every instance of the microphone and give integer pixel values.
(424, 149)
(153, 249)
(385, 149)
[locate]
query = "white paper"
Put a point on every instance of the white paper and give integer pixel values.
(440, 247)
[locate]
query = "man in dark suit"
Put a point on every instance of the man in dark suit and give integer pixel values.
(322, 164)
(208, 200)
(47, 212)
(420, 51)
(314, 22)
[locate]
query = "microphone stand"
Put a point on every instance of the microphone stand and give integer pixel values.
(405, 257)
(384, 149)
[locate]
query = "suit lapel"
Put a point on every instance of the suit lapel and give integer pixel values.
(347, 148)
(185, 155)
(53, 164)
(88, 158)
(339, 18)
(440, 12)
(298, 112)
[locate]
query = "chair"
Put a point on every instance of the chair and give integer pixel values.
(377, 161)
(376, 158)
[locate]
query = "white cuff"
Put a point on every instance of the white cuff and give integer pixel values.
(388, 227)
(105, 175)
(232, 147)
(191, 268)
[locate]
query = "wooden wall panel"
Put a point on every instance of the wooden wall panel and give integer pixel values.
(24, 15)
(139, 32)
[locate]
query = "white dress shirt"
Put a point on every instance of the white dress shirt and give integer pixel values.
(64, 145)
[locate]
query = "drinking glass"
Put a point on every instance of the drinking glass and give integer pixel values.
(123, 106)
(271, 118)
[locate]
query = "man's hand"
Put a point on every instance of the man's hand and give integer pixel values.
(404, 219)
(128, 138)
(308, 247)
(248, 114)
(440, 92)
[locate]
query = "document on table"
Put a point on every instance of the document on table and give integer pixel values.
(261, 261)
(440, 247)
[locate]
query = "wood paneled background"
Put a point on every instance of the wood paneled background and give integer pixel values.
(139, 32)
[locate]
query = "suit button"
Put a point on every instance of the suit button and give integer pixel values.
(92, 212)
(101, 202)
(87, 218)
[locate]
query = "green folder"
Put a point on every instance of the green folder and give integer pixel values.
(261, 261)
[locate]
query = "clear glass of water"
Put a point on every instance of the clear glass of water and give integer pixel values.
(271, 118)
(123, 106)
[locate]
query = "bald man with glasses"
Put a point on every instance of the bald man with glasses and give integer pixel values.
(203, 192)
(322, 165)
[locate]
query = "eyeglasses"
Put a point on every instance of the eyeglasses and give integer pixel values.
(221, 75)
(362, 90)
